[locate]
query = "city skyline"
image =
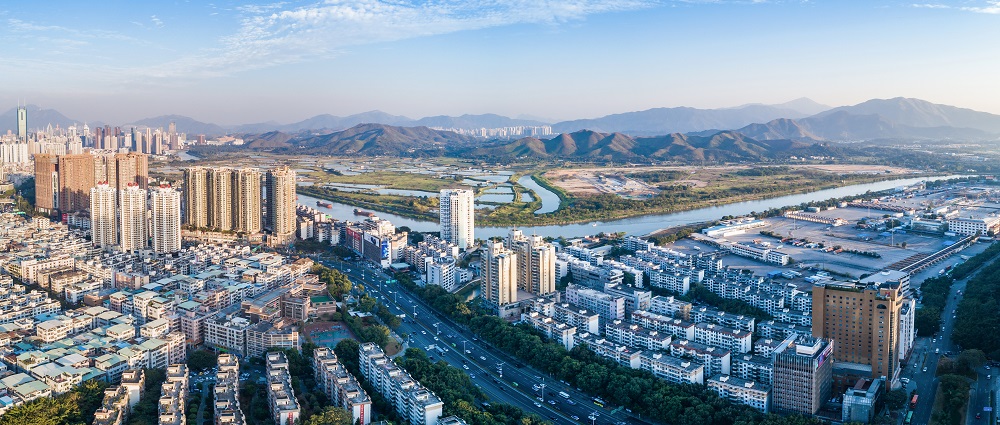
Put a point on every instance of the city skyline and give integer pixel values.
(554, 60)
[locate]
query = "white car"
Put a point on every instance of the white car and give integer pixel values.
(465, 366)
(423, 332)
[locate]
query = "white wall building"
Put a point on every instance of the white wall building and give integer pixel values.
(103, 216)
(165, 220)
(457, 211)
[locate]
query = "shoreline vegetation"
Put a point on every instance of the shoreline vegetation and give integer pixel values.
(751, 184)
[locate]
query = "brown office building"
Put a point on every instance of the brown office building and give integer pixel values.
(863, 320)
(46, 182)
(803, 369)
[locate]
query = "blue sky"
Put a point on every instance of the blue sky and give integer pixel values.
(237, 62)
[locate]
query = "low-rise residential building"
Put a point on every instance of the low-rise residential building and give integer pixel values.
(736, 340)
(637, 336)
(413, 402)
(340, 386)
(173, 395)
(741, 391)
(280, 396)
(672, 369)
(226, 391)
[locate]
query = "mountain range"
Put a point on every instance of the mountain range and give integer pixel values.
(798, 120)
(723, 146)
(362, 139)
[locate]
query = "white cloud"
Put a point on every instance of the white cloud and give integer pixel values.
(274, 34)
(992, 7)
(931, 6)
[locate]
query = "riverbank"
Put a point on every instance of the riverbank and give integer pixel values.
(601, 207)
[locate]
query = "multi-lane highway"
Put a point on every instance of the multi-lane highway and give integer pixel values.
(491, 370)
(927, 351)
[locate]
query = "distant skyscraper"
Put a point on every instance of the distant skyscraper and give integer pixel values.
(246, 207)
(803, 372)
(196, 197)
(104, 216)
(132, 210)
(536, 262)
(22, 124)
(499, 274)
(165, 219)
(281, 204)
(457, 212)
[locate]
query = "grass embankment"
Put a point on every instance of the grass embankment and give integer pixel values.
(406, 206)
(951, 401)
(678, 191)
(388, 179)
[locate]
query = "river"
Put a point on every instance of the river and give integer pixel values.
(643, 225)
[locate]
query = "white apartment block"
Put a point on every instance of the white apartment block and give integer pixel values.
(457, 212)
(670, 306)
(608, 307)
(637, 336)
(719, 317)
(132, 216)
(104, 216)
(675, 282)
(581, 318)
(620, 353)
(672, 369)
(173, 395)
(678, 328)
(741, 391)
(754, 368)
(551, 328)
(735, 340)
(165, 219)
(716, 360)
(440, 271)
(340, 386)
(226, 392)
(416, 404)
(280, 396)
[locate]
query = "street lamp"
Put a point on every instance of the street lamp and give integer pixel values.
(436, 328)
(543, 391)
(463, 346)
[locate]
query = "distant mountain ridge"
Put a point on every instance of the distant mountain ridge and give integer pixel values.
(897, 118)
(723, 146)
(374, 140)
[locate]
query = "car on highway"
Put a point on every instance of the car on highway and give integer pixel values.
(537, 404)
(423, 332)
(483, 358)
(465, 366)
(575, 417)
(925, 369)
(979, 415)
(571, 402)
(552, 402)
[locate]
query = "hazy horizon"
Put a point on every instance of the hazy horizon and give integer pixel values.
(247, 63)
